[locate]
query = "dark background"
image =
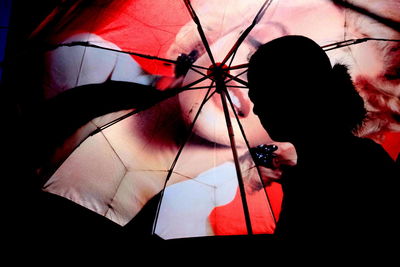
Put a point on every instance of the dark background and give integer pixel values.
(32, 216)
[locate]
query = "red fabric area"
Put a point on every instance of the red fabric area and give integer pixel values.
(391, 144)
(229, 219)
(146, 27)
(140, 26)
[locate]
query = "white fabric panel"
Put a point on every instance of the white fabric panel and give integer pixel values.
(186, 205)
(90, 176)
(68, 67)
(135, 190)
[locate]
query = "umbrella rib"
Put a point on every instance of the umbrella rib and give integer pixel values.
(212, 94)
(111, 123)
(80, 67)
(233, 57)
(242, 37)
(350, 42)
(241, 66)
(228, 86)
(171, 170)
(395, 25)
(161, 170)
(199, 72)
(237, 76)
(223, 93)
(237, 86)
(248, 147)
(88, 44)
(237, 79)
(133, 112)
(203, 37)
(200, 87)
(206, 98)
(186, 87)
(122, 177)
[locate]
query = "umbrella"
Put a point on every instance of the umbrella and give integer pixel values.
(190, 144)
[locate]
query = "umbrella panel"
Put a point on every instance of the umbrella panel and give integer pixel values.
(125, 148)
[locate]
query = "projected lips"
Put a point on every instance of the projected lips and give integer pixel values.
(241, 104)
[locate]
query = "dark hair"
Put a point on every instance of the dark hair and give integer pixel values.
(350, 102)
(299, 72)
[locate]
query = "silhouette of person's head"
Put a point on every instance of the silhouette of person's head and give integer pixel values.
(296, 92)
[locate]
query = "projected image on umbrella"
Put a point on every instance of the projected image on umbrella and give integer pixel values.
(191, 149)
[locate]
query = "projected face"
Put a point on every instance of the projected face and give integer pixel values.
(144, 146)
(211, 123)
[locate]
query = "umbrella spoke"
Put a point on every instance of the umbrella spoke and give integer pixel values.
(200, 87)
(258, 17)
(237, 86)
(88, 44)
(350, 42)
(235, 78)
(395, 25)
(203, 37)
(199, 72)
(199, 67)
(249, 147)
(111, 123)
(186, 87)
(129, 114)
(241, 66)
(182, 146)
(223, 93)
(212, 94)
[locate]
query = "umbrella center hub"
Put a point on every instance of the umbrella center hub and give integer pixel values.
(218, 72)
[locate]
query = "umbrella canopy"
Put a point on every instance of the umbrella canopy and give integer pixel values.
(119, 156)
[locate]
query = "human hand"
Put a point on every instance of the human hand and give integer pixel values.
(284, 155)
